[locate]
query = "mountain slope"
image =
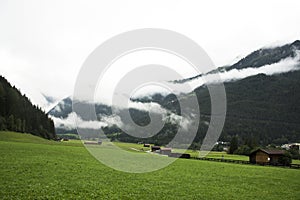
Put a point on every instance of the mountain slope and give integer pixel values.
(264, 108)
(267, 56)
(261, 107)
(257, 59)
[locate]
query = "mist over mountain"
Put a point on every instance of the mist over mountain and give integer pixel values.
(267, 56)
(268, 61)
(262, 89)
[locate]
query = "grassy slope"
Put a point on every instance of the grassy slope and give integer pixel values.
(66, 170)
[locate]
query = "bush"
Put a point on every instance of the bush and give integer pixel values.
(243, 150)
(218, 147)
(286, 159)
(294, 153)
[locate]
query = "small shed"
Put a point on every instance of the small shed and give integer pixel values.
(155, 148)
(165, 151)
(265, 156)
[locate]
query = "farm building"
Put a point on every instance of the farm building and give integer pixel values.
(146, 145)
(165, 151)
(155, 148)
(263, 156)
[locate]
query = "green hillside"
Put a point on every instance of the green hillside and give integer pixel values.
(30, 170)
(22, 137)
(17, 113)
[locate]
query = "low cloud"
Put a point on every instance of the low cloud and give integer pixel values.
(73, 121)
(284, 66)
(184, 122)
(150, 107)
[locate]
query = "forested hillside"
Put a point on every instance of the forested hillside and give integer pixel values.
(262, 107)
(265, 108)
(18, 114)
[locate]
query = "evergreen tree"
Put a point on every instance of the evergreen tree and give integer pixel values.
(11, 123)
(233, 145)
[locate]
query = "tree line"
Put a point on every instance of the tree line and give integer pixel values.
(17, 113)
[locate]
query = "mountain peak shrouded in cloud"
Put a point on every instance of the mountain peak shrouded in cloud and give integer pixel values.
(267, 56)
(268, 60)
(49, 98)
(62, 109)
(296, 44)
(262, 90)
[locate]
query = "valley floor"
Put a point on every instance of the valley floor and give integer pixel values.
(33, 168)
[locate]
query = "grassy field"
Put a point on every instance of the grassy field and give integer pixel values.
(33, 168)
(212, 154)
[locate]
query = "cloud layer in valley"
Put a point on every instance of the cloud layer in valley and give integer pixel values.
(283, 66)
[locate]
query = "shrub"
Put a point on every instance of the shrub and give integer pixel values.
(286, 159)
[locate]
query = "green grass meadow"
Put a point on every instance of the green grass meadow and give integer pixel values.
(34, 168)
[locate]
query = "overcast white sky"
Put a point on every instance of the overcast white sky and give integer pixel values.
(44, 43)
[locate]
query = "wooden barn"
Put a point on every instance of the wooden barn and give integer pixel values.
(155, 148)
(263, 156)
(165, 151)
(146, 145)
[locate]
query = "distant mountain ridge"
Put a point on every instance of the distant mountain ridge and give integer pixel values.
(256, 59)
(262, 107)
(267, 56)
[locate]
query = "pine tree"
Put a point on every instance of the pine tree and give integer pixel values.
(233, 145)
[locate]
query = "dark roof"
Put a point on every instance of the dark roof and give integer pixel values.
(270, 151)
(155, 147)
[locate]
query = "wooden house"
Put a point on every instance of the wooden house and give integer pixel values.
(264, 156)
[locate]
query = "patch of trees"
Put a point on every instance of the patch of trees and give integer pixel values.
(242, 146)
(286, 159)
(114, 133)
(18, 114)
(295, 153)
